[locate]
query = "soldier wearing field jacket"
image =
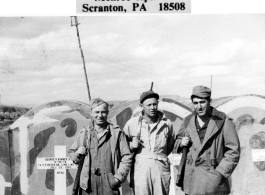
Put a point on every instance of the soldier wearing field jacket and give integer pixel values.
(107, 154)
(212, 144)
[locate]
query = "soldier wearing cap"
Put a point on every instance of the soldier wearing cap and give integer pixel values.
(107, 154)
(151, 138)
(212, 144)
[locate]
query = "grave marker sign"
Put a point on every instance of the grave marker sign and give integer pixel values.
(60, 162)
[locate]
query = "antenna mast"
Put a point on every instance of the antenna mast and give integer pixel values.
(75, 23)
(151, 89)
(211, 84)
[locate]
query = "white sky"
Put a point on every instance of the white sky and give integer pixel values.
(40, 60)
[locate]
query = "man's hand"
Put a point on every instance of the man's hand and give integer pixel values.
(135, 143)
(81, 150)
(185, 141)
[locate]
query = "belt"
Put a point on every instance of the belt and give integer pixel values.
(162, 157)
(98, 171)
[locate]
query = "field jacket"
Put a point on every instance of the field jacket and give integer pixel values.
(121, 155)
(211, 162)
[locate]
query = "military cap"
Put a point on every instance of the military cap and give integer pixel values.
(96, 102)
(201, 91)
(148, 94)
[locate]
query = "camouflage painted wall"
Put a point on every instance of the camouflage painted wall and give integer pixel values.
(36, 134)
(248, 112)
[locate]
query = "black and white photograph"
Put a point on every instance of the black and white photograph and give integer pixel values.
(138, 104)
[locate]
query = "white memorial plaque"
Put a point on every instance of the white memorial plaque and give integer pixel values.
(258, 155)
(55, 163)
(59, 163)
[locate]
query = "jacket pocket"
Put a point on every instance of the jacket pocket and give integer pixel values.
(206, 180)
(216, 182)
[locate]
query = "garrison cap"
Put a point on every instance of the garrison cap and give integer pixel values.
(96, 102)
(148, 94)
(201, 91)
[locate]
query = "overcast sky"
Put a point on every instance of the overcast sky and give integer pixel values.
(40, 60)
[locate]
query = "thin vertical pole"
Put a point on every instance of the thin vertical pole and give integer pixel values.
(151, 89)
(211, 84)
(82, 55)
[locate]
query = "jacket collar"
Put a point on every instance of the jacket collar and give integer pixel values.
(114, 132)
(192, 132)
(162, 120)
(217, 119)
(216, 122)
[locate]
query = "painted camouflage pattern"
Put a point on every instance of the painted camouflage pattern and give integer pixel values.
(248, 112)
(41, 127)
(38, 131)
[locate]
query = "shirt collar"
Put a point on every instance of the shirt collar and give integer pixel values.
(205, 125)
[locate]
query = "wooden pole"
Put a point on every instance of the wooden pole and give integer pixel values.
(82, 55)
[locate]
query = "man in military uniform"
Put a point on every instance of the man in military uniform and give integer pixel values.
(212, 144)
(107, 154)
(151, 137)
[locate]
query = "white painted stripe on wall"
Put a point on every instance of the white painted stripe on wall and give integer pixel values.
(23, 147)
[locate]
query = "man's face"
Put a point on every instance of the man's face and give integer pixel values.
(150, 107)
(201, 106)
(100, 114)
